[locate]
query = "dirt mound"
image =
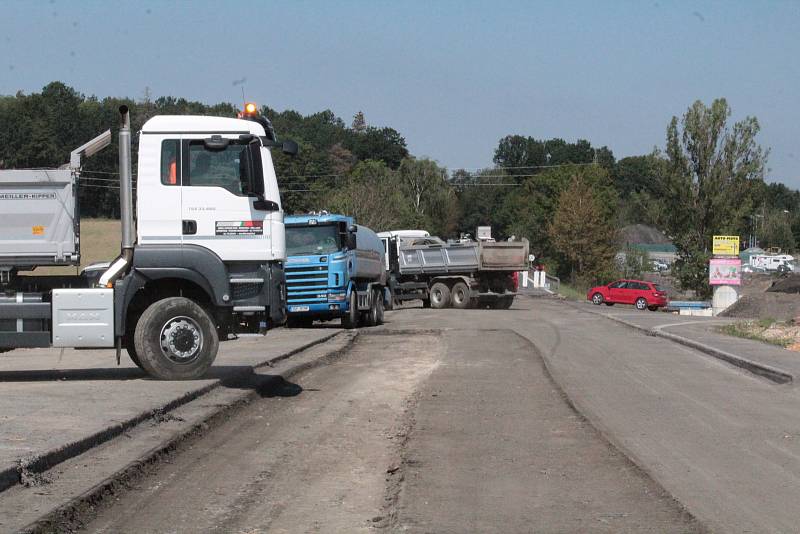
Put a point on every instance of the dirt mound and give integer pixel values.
(787, 284)
(643, 234)
(779, 306)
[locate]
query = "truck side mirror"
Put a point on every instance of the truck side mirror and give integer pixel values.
(289, 148)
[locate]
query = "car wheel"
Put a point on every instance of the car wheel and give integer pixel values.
(641, 303)
(597, 299)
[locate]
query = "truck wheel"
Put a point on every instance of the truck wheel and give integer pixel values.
(380, 310)
(460, 296)
(504, 303)
(440, 296)
(371, 317)
(350, 320)
(176, 339)
(389, 301)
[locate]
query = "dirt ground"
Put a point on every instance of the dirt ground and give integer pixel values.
(766, 296)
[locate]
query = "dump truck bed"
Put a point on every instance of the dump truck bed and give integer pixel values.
(38, 214)
(463, 258)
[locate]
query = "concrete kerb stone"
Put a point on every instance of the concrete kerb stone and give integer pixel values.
(67, 514)
(12, 475)
(759, 369)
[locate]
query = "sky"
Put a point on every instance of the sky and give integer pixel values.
(453, 77)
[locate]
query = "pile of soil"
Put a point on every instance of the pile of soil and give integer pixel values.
(778, 306)
(787, 284)
(643, 234)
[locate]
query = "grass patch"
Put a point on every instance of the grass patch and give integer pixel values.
(100, 241)
(757, 331)
(571, 293)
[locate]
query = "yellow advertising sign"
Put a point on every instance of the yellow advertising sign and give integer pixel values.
(726, 245)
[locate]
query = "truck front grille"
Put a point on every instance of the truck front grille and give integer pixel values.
(306, 284)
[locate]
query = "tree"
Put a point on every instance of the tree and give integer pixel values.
(582, 233)
(359, 123)
(370, 194)
(431, 198)
(776, 230)
(714, 173)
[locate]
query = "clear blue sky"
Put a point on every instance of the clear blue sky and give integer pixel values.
(452, 76)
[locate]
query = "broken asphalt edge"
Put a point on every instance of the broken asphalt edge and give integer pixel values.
(11, 475)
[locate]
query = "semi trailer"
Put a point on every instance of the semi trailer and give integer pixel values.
(202, 262)
(334, 270)
(463, 274)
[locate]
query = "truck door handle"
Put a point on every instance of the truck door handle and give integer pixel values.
(189, 227)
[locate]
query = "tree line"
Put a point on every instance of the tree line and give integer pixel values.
(568, 198)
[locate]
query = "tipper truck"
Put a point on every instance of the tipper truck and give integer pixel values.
(334, 269)
(203, 262)
(463, 274)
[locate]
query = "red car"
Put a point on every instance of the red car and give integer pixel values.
(643, 295)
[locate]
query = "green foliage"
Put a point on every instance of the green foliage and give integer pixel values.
(636, 262)
(582, 233)
(776, 230)
(713, 179)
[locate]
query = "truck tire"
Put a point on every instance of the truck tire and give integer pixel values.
(390, 300)
(176, 339)
(130, 346)
(504, 303)
(371, 317)
(350, 320)
(440, 296)
(460, 296)
(380, 310)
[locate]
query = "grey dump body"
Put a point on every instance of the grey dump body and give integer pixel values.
(38, 213)
(463, 273)
(427, 256)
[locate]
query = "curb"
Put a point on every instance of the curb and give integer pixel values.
(759, 369)
(12, 475)
(70, 514)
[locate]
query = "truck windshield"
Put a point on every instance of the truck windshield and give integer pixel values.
(306, 240)
(234, 168)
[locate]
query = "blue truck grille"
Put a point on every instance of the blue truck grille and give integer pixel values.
(306, 284)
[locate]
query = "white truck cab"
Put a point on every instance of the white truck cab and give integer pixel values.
(200, 177)
(203, 261)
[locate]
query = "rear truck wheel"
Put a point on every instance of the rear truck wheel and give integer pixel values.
(504, 303)
(350, 320)
(390, 300)
(299, 322)
(176, 339)
(597, 299)
(371, 317)
(380, 309)
(440, 296)
(460, 296)
(641, 303)
(652, 308)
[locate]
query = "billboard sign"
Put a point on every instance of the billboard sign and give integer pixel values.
(726, 245)
(725, 272)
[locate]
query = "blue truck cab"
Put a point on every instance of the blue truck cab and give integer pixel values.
(334, 270)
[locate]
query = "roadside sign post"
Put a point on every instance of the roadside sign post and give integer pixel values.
(725, 272)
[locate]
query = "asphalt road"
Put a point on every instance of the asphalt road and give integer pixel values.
(422, 426)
